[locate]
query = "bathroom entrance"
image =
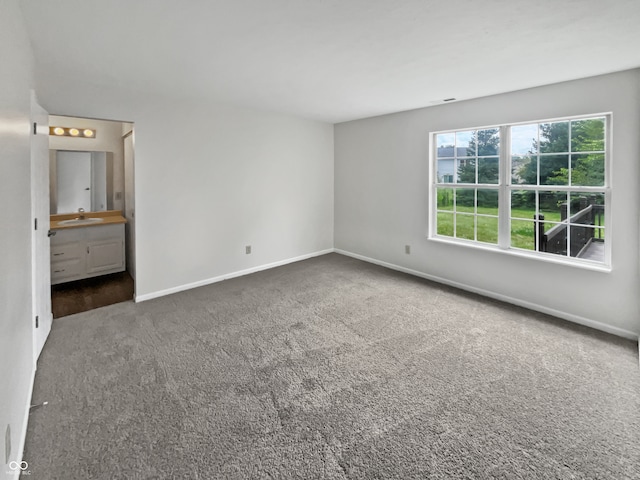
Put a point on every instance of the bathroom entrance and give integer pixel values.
(92, 213)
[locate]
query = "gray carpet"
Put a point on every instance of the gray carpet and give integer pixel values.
(332, 368)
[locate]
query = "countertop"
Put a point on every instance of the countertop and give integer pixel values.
(110, 217)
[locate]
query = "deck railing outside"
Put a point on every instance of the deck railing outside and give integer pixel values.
(584, 227)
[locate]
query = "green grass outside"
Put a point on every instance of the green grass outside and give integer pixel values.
(522, 231)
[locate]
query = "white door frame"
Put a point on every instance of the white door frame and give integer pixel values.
(129, 213)
(42, 316)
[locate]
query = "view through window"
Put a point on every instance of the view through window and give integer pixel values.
(538, 187)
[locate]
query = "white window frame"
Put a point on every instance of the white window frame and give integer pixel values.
(505, 187)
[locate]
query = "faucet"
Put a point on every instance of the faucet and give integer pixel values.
(81, 212)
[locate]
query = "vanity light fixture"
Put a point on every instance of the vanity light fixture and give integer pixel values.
(72, 132)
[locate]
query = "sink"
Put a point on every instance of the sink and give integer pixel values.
(81, 221)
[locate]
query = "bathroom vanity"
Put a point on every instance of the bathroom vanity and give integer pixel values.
(88, 245)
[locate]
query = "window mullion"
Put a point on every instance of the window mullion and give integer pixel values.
(504, 203)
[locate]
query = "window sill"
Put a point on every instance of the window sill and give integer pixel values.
(540, 257)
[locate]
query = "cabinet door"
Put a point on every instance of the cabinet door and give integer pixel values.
(104, 255)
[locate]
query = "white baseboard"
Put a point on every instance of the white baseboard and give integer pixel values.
(227, 276)
(487, 293)
(503, 298)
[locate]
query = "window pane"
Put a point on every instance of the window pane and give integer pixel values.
(580, 210)
(554, 239)
(587, 135)
(554, 137)
(524, 139)
(524, 170)
(546, 223)
(596, 200)
(522, 234)
(464, 141)
(587, 243)
(467, 170)
(537, 236)
(445, 198)
(465, 200)
(487, 202)
(488, 142)
(587, 170)
(488, 170)
(487, 229)
(445, 224)
(523, 204)
(553, 205)
(598, 234)
(587, 209)
(446, 171)
(445, 143)
(465, 226)
(578, 202)
(554, 170)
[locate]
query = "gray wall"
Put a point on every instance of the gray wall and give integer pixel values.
(210, 179)
(381, 201)
(16, 340)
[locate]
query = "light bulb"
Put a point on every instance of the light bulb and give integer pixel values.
(88, 133)
(58, 131)
(74, 132)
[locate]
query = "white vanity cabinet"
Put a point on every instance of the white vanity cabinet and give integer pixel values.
(84, 252)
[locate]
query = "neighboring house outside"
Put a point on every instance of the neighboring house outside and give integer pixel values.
(447, 159)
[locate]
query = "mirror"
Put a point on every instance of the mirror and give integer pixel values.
(81, 179)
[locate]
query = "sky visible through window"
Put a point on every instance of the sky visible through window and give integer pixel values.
(522, 139)
(555, 191)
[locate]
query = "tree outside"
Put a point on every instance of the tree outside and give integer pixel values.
(558, 153)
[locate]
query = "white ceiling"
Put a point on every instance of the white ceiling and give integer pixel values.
(332, 60)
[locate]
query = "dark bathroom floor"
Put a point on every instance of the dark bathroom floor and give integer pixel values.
(82, 295)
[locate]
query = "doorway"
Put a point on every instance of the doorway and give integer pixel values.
(91, 176)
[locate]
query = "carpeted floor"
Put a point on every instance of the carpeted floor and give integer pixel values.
(332, 368)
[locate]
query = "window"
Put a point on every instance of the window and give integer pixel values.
(537, 187)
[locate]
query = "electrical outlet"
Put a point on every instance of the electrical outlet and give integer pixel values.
(407, 249)
(247, 249)
(7, 444)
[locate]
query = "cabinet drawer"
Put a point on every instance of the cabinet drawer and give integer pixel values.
(102, 232)
(62, 237)
(66, 251)
(66, 270)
